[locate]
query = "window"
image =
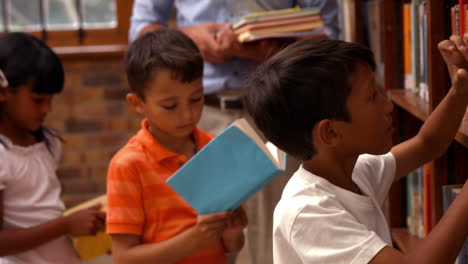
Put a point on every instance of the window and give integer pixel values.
(68, 22)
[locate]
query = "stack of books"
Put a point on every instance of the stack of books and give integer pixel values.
(284, 23)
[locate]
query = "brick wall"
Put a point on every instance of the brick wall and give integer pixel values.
(92, 116)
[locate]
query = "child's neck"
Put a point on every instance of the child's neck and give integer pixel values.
(181, 145)
(18, 136)
(337, 170)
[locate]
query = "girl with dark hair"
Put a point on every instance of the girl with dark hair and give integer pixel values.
(32, 228)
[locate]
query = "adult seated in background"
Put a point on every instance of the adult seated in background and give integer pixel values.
(227, 64)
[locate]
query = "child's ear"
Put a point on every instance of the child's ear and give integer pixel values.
(136, 102)
(327, 133)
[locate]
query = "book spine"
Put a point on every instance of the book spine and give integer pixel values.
(420, 206)
(409, 203)
(427, 202)
(415, 44)
(423, 79)
(461, 4)
(409, 80)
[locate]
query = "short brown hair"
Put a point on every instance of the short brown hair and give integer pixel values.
(306, 82)
(162, 49)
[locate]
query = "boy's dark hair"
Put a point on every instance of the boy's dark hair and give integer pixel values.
(25, 58)
(304, 83)
(162, 49)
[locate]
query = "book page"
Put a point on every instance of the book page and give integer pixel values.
(101, 199)
(277, 154)
(273, 153)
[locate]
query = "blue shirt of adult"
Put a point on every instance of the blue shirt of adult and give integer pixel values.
(232, 74)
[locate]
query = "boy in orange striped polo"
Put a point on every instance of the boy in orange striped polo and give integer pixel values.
(148, 221)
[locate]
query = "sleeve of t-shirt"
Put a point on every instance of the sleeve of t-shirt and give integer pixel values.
(4, 170)
(124, 202)
(324, 232)
(378, 173)
(329, 11)
(147, 12)
(55, 146)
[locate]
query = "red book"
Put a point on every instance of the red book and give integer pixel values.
(427, 199)
(462, 10)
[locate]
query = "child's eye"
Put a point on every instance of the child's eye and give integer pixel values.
(38, 100)
(195, 100)
(169, 107)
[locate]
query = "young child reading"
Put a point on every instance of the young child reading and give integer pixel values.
(319, 101)
(148, 221)
(32, 228)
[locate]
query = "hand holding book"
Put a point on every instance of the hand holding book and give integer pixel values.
(256, 50)
(91, 246)
(236, 222)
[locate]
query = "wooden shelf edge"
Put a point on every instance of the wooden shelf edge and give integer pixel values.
(411, 103)
(404, 240)
(462, 135)
(414, 105)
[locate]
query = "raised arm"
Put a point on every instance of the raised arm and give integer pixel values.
(441, 245)
(440, 128)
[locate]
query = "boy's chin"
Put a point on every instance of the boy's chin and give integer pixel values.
(183, 134)
(35, 127)
(381, 151)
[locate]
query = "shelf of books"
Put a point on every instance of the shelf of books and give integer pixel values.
(419, 108)
(416, 80)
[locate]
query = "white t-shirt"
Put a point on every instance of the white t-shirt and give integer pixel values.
(31, 196)
(318, 222)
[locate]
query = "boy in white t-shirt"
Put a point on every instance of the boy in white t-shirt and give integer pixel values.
(318, 100)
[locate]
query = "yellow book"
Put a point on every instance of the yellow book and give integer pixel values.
(89, 247)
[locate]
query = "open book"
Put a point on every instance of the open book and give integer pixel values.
(89, 247)
(228, 170)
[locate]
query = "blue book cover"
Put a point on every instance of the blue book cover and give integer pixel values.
(228, 170)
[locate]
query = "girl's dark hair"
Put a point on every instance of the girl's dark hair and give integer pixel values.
(25, 58)
(306, 82)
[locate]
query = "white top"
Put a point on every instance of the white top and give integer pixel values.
(31, 196)
(318, 222)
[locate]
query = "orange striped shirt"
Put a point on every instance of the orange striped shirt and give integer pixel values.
(140, 202)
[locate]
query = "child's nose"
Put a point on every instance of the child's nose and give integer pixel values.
(186, 114)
